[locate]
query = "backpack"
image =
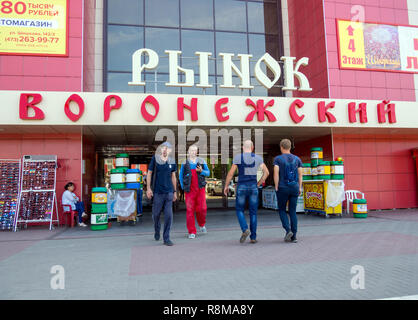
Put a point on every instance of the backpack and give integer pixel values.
(291, 170)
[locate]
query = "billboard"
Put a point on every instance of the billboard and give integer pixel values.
(382, 47)
(34, 27)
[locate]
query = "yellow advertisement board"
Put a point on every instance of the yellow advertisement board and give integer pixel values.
(380, 47)
(34, 27)
(351, 41)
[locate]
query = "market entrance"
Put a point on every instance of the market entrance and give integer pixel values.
(101, 145)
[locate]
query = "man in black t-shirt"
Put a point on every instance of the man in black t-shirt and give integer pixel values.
(288, 185)
(161, 185)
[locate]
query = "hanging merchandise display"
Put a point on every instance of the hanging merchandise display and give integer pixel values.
(9, 192)
(37, 191)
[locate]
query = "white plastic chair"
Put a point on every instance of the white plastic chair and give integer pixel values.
(350, 195)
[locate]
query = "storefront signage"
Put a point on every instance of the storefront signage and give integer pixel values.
(88, 108)
(34, 27)
(290, 70)
(371, 46)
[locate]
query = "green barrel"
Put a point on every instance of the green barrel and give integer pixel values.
(99, 208)
(98, 217)
(360, 208)
(118, 178)
(326, 165)
(307, 173)
(337, 170)
(98, 221)
(122, 160)
(316, 156)
(99, 195)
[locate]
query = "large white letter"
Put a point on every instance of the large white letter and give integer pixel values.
(244, 73)
(138, 67)
(290, 72)
(203, 69)
(174, 68)
(58, 280)
(273, 65)
(358, 281)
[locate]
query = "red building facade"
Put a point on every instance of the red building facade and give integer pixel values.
(378, 162)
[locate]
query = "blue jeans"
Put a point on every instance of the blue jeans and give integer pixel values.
(79, 207)
(247, 193)
(291, 194)
(163, 202)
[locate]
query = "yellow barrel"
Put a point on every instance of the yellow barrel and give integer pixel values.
(360, 208)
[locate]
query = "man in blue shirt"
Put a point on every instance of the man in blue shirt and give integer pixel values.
(288, 185)
(247, 164)
(161, 185)
(192, 180)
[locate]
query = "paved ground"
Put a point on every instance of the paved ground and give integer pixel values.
(127, 263)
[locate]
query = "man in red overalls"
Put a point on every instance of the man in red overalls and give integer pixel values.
(192, 180)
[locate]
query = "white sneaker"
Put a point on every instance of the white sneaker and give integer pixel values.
(82, 224)
(203, 229)
(84, 215)
(192, 236)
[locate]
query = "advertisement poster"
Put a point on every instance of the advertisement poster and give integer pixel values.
(34, 27)
(314, 195)
(369, 46)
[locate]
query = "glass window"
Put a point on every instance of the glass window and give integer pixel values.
(230, 15)
(230, 43)
(118, 82)
(159, 40)
(131, 12)
(162, 13)
(197, 14)
(257, 44)
(260, 44)
(228, 26)
(192, 41)
(203, 91)
(229, 91)
(271, 18)
(259, 90)
(155, 83)
(122, 42)
(255, 17)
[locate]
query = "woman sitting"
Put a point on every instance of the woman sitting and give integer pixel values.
(70, 198)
